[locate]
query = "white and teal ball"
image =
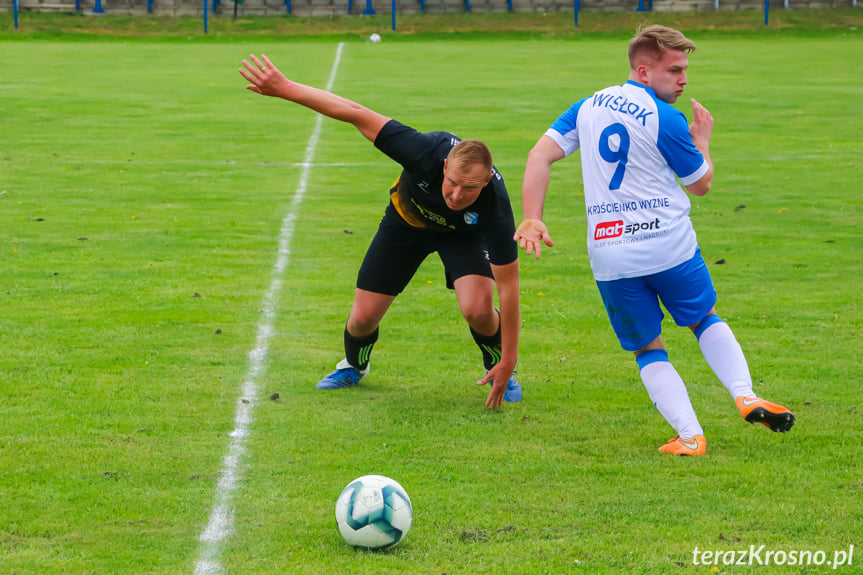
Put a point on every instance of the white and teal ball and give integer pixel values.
(374, 512)
(375, 38)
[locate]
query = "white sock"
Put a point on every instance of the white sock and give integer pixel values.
(668, 393)
(344, 363)
(726, 359)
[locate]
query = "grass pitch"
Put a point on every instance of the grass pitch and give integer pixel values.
(142, 191)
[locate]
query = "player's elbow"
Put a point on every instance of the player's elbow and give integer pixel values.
(702, 186)
(698, 189)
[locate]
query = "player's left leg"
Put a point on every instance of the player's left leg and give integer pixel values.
(475, 294)
(468, 272)
(634, 312)
(668, 393)
(476, 304)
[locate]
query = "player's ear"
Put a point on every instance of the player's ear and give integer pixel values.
(643, 72)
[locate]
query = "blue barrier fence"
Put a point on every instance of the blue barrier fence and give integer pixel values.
(643, 6)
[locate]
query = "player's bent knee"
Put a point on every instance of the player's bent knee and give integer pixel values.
(480, 314)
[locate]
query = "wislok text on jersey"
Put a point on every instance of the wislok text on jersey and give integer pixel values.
(622, 105)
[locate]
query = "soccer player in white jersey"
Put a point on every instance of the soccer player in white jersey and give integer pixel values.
(642, 247)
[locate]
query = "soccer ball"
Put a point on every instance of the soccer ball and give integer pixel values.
(374, 512)
(375, 38)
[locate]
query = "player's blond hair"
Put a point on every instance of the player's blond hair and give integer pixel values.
(654, 41)
(469, 153)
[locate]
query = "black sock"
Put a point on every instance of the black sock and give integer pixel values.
(358, 350)
(490, 346)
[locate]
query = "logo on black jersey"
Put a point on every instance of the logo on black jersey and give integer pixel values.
(471, 218)
(424, 186)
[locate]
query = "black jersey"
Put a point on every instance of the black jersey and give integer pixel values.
(416, 198)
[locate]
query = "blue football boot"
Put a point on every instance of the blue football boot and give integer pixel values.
(513, 390)
(345, 375)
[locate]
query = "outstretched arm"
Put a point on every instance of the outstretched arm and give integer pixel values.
(532, 233)
(267, 80)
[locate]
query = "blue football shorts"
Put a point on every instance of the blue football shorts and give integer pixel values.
(632, 304)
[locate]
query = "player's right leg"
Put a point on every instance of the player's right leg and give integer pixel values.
(389, 264)
(689, 296)
(725, 357)
(361, 333)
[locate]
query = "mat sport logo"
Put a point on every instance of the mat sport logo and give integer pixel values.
(617, 228)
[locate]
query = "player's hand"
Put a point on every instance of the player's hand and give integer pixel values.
(499, 375)
(701, 127)
(530, 235)
(265, 78)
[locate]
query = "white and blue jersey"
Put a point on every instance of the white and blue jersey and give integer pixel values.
(632, 146)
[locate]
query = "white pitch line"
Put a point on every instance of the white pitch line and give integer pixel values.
(221, 524)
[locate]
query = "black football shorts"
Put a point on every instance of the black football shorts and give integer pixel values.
(397, 251)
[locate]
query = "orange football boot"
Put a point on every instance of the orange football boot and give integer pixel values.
(697, 445)
(773, 416)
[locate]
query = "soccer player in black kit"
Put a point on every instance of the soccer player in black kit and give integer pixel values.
(448, 199)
